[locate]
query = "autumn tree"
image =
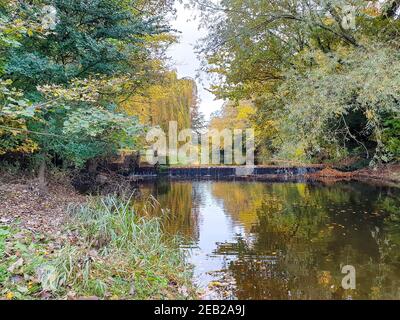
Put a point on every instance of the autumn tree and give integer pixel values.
(68, 72)
(171, 99)
(315, 70)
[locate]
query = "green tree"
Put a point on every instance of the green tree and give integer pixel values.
(283, 54)
(73, 69)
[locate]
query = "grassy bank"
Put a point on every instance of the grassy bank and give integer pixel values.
(107, 252)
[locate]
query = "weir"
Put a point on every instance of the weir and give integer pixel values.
(225, 171)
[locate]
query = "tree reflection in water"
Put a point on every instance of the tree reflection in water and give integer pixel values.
(293, 238)
(173, 203)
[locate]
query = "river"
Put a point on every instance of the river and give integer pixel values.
(257, 240)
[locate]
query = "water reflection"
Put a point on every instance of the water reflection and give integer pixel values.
(253, 240)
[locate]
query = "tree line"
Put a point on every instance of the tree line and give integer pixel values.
(82, 79)
(322, 75)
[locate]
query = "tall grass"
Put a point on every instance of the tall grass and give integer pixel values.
(118, 254)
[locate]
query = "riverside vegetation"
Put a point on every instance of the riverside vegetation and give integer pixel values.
(110, 252)
(81, 82)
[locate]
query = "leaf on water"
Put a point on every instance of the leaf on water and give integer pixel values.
(215, 284)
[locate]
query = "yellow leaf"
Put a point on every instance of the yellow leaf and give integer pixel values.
(9, 296)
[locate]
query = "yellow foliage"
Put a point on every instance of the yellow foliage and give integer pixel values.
(233, 116)
(299, 152)
(15, 138)
(171, 100)
(371, 11)
(302, 189)
(325, 278)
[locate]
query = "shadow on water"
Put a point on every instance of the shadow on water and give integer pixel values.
(254, 240)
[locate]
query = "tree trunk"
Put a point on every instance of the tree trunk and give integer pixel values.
(92, 166)
(42, 175)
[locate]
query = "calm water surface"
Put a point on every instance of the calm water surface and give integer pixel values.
(255, 240)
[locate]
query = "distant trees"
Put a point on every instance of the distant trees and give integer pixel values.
(170, 99)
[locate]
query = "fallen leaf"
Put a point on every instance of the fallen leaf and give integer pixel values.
(132, 290)
(89, 298)
(22, 289)
(9, 295)
(17, 264)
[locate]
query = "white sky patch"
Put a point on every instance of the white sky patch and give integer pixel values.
(185, 60)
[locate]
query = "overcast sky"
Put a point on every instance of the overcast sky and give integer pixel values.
(185, 59)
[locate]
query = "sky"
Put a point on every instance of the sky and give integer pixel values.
(185, 60)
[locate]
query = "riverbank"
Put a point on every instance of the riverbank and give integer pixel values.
(63, 245)
(384, 174)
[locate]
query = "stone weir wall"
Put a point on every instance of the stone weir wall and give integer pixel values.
(226, 171)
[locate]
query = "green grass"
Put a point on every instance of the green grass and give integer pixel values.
(115, 254)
